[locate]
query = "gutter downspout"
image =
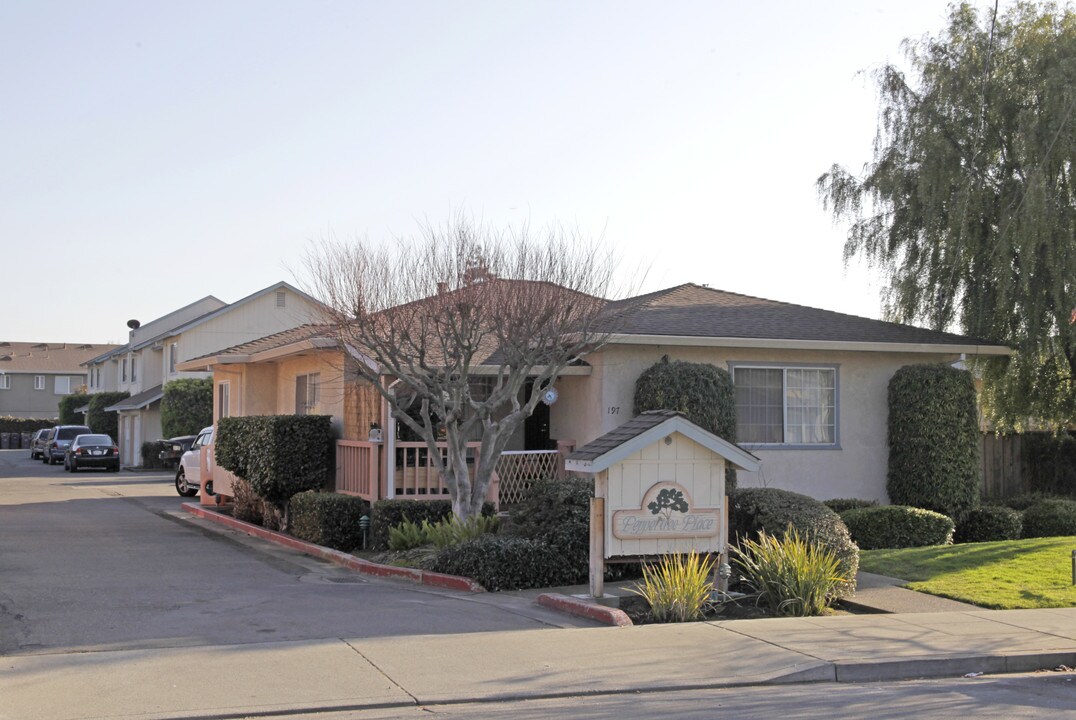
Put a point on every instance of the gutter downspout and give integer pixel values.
(390, 446)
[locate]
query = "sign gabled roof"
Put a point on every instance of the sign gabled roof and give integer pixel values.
(646, 429)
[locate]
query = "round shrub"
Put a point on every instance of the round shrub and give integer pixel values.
(839, 505)
(1050, 518)
(1024, 500)
(502, 562)
(933, 439)
(897, 526)
(773, 510)
(557, 514)
(701, 391)
(988, 523)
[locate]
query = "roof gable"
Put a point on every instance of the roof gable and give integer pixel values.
(646, 429)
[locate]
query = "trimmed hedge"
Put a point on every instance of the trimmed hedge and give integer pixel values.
(151, 454)
(100, 421)
(503, 562)
(773, 510)
(839, 505)
(10, 424)
(279, 455)
(328, 519)
(1050, 518)
(1023, 501)
(701, 391)
(898, 526)
(933, 439)
(67, 406)
(187, 406)
(387, 514)
(989, 523)
(557, 513)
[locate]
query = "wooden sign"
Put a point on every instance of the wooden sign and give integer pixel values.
(667, 513)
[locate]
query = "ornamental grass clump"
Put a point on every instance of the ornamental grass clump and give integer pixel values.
(789, 575)
(406, 536)
(453, 531)
(678, 588)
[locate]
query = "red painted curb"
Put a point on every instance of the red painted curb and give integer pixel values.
(424, 577)
(583, 608)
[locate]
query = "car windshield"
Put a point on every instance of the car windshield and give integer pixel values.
(94, 440)
(70, 433)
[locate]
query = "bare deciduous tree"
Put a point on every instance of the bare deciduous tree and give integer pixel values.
(461, 302)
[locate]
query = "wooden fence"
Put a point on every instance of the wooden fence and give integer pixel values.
(1002, 466)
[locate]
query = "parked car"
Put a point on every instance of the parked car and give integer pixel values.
(87, 451)
(37, 443)
(59, 439)
(189, 474)
(174, 449)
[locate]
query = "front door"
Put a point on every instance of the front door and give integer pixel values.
(536, 428)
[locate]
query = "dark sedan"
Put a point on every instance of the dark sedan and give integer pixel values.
(173, 449)
(88, 451)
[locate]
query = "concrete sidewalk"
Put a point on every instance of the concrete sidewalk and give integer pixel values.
(342, 673)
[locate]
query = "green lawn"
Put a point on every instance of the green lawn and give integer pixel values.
(1033, 573)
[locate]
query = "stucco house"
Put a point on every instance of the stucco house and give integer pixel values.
(154, 351)
(34, 377)
(811, 385)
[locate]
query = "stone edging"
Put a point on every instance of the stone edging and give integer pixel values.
(424, 577)
(582, 608)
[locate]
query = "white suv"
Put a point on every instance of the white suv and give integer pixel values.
(189, 474)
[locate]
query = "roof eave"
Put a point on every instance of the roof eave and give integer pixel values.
(786, 344)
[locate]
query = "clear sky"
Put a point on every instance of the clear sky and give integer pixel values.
(152, 153)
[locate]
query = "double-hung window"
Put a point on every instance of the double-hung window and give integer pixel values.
(307, 393)
(62, 386)
(786, 405)
(5, 382)
(39, 382)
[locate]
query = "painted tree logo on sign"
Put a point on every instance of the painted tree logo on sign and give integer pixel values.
(668, 501)
(667, 511)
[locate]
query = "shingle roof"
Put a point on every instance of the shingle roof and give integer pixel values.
(139, 401)
(28, 357)
(691, 310)
(615, 438)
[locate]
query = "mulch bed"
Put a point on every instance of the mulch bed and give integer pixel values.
(637, 609)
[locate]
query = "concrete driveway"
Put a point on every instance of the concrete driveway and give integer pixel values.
(106, 561)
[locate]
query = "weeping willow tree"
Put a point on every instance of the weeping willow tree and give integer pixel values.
(967, 204)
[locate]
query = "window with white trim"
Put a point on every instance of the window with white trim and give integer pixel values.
(39, 382)
(62, 385)
(5, 382)
(224, 398)
(786, 405)
(173, 352)
(134, 368)
(307, 393)
(123, 374)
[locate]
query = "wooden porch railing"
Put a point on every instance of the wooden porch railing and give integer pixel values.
(358, 468)
(416, 476)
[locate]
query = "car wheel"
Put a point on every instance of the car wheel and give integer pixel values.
(182, 487)
(45, 459)
(73, 467)
(52, 460)
(115, 468)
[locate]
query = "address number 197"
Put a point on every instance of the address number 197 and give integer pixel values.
(614, 409)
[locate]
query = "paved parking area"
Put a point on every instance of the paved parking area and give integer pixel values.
(105, 561)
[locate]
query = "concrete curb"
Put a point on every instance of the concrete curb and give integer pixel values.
(953, 666)
(423, 577)
(582, 608)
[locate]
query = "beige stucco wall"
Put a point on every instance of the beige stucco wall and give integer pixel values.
(592, 406)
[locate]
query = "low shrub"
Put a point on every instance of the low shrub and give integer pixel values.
(1050, 518)
(989, 523)
(1023, 501)
(246, 505)
(678, 588)
(387, 514)
(453, 531)
(328, 519)
(790, 575)
(557, 513)
(502, 562)
(897, 526)
(839, 505)
(771, 510)
(407, 536)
